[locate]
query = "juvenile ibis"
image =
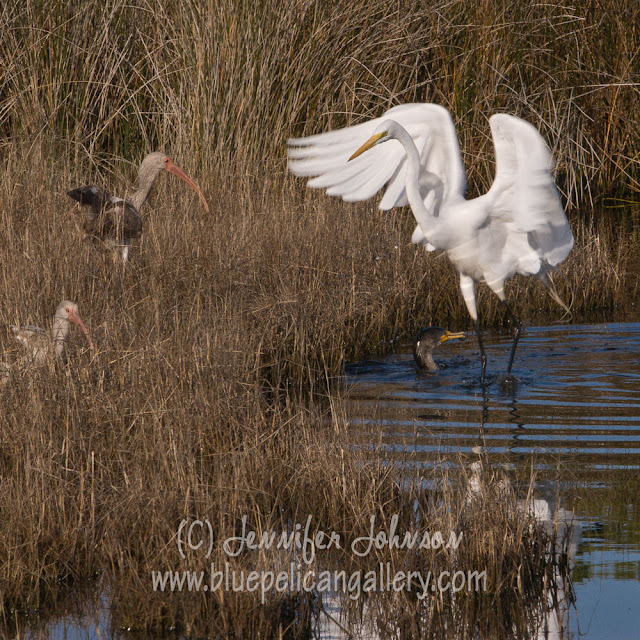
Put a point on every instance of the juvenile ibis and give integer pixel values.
(41, 344)
(117, 221)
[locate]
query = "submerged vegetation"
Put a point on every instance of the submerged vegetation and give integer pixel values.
(212, 392)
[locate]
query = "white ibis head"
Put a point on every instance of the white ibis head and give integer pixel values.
(68, 311)
(156, 162)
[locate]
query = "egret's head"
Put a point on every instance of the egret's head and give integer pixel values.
(383, 133)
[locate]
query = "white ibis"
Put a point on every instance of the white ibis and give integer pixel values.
(41, 344)
(117, 221)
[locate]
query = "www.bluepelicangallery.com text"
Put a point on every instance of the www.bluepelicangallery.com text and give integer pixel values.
(301, 578)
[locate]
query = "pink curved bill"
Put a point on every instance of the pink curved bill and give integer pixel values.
(177, 171)
(75, 318)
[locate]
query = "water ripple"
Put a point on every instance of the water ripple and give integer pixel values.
(577, 394)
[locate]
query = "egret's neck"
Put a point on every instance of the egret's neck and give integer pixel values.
(59, 334)
(413, 160)
(424, 217)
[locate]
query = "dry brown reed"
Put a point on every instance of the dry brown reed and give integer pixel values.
(212, 393)
(230, 81)
(207, 396)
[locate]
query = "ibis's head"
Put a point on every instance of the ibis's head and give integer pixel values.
(68, 311)
(157, 161)
(427, 340)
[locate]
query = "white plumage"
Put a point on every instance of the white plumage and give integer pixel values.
(518, 226)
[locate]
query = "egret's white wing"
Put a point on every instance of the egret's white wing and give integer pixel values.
(324, 157)
(524, 196)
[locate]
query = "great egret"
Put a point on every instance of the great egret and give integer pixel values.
(518, 226)
(117, 221)
(426, 341)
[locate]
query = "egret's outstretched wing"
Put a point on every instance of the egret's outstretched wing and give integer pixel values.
(524, 196)
(324, 157)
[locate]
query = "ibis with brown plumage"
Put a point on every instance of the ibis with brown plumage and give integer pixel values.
(116, 221)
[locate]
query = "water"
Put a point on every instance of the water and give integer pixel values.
(573, 415)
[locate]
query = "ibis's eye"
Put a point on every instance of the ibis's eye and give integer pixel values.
(166, 160)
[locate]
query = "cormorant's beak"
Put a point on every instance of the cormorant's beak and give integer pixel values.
(372, 141)
(448, 335)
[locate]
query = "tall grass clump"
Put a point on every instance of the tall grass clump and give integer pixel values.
(230, 81)
(212, 393)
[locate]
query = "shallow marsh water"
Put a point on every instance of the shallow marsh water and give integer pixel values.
(573, 416)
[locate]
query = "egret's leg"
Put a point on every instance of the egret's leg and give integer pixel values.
(516, 335)
(483, 355)
(467, 286)
(497, 286)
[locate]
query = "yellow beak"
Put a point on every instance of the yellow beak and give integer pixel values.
(452, 336)
(373, 140)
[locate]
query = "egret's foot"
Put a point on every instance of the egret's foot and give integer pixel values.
(508, 383)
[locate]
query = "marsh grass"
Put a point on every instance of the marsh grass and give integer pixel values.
(227, 83)
(213, 394)
(214, 391)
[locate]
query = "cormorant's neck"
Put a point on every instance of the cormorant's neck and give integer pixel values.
(428, 362)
